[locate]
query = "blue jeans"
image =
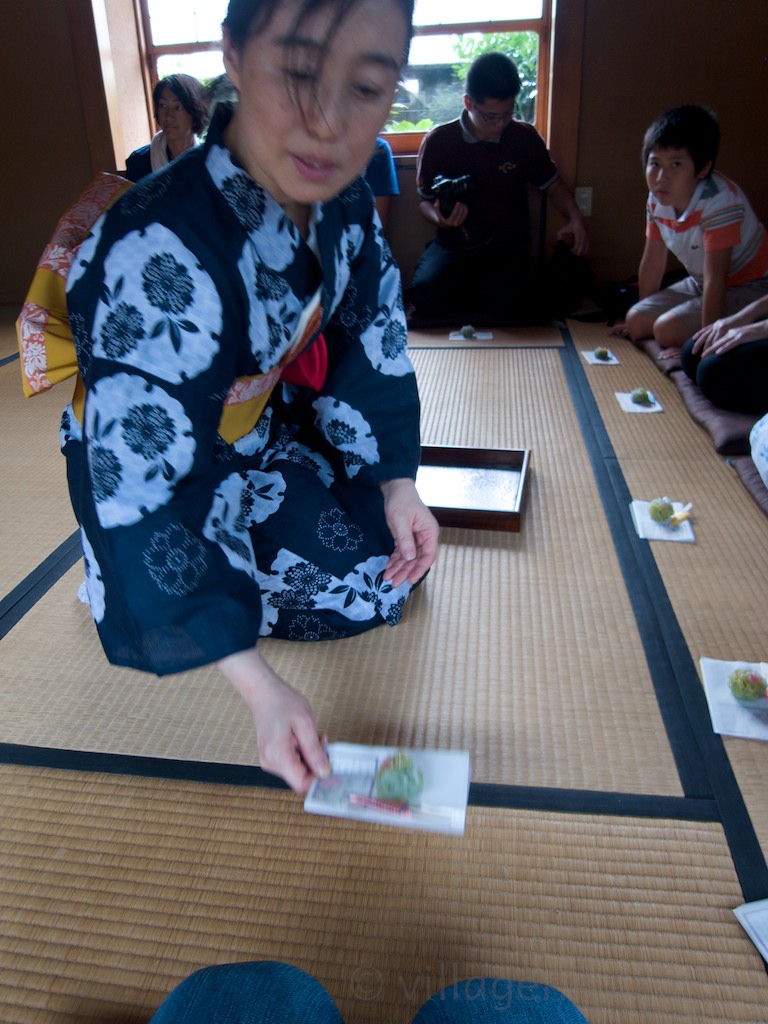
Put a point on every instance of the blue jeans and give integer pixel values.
(274, 993)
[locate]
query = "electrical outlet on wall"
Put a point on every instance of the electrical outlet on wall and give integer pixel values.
(583, 197)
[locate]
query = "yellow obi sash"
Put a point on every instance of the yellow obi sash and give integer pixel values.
(248, 396)
(47, 350)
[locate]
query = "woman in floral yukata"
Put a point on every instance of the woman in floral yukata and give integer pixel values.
(245, 461)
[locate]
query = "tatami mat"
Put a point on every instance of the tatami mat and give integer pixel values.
(503, 337)
(750, 760)
(8, 343)
(523, 648)
(512, 648)
(717, 587)
(113, 889)
(34, 504)
(638, 435)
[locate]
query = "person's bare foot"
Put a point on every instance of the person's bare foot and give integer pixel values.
(669, 353)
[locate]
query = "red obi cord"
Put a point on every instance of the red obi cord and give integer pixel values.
(310, 369)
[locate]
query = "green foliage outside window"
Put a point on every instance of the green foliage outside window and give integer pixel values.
(445, 102)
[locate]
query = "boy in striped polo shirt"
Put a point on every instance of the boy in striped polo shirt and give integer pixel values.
(703, 218)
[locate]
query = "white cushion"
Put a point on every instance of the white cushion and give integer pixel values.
(758, 441)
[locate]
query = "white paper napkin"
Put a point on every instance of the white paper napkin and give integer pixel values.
(649, 529)
(731, 717)
(592, 358)
(477, 336)
(754, 920)
(624, 399)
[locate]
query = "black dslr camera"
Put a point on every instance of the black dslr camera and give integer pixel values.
(449, 191)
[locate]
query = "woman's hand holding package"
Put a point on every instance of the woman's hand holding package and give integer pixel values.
(289, 745)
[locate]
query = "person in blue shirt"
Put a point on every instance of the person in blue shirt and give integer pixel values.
(381, 175)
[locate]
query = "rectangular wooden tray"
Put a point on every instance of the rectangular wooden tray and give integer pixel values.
(480, 488)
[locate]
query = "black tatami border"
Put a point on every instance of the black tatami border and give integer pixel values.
(27, 593)
(702, 760)
(481, 794)
(711, 791)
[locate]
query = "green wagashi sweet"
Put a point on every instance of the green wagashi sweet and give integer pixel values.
(398, 779)
(746, 684)
(467, 331)
(602, 353)
(640, 397)
(660, 510)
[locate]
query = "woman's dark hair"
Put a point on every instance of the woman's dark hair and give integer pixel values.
(687, 127)
(246, 18)
(492, 76)
(191, 94)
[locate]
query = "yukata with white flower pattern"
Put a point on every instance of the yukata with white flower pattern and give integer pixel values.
(202, 532)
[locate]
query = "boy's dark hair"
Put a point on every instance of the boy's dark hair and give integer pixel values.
(191, 95)
(687, 127)
(492, 76)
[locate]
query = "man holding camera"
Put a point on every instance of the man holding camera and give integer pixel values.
(472, 179)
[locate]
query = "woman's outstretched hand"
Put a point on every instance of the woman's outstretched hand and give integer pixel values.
(414, 530)
(288, 742)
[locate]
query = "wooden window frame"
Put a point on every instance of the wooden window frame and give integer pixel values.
(404, 143)
(565, 16)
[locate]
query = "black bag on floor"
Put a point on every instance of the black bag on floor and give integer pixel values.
(568, 281)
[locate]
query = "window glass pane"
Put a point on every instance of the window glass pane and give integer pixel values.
(457, 12)
(433, 85)
(174, 22)
(203, 66)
